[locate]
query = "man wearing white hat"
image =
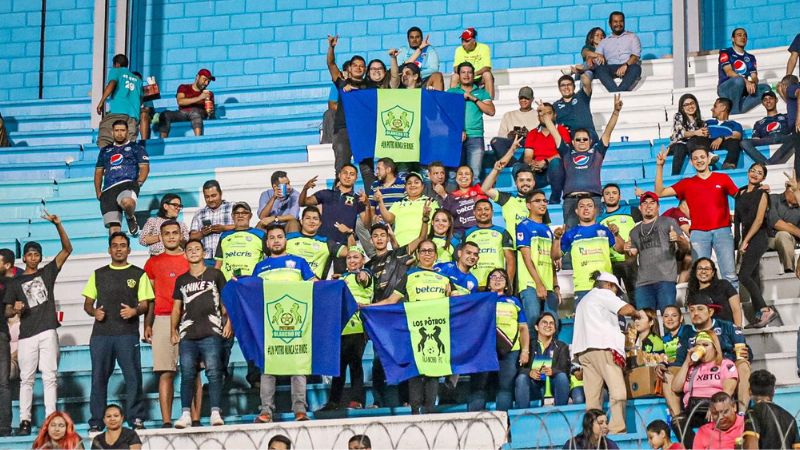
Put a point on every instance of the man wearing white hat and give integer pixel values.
(598, 345)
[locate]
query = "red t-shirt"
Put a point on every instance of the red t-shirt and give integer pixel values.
(188, 91)
(678, 215)
(544, 147)
(708, 436)
(163, 270)
(707, 200)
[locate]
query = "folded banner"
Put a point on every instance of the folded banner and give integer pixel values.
(434, 337)
(289, 328)
(407, 125)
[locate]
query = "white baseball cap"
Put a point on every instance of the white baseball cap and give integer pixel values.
(610, 278)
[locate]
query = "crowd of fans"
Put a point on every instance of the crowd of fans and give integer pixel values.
(435, 228)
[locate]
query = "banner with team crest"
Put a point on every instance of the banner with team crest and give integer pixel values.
(289, 328)
(407, 125)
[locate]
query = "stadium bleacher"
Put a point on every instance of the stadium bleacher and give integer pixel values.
(261, 130)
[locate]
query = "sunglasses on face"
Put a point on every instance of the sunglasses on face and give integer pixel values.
(581, 139)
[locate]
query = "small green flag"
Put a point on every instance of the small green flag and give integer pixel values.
(288, 316)
(398, 124)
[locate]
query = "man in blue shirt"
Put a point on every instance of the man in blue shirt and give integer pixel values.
(459, 271)
(724, 133)
(122, 168)
(794, 54)
(125, 90)
(281, 266)
(573, 109)
(772, 129)
(738, 75)
(420, 53)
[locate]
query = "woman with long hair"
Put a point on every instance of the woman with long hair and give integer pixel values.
(116, 435)
(438, 229)
(750, 233)
(169, 209)
(58, 432)
(589, 55)
(594, 429)
(703, 280)
(688, 132)
(672, 320)
(646, 336)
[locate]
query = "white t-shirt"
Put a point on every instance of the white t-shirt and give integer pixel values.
(596, 323)
(517, 118)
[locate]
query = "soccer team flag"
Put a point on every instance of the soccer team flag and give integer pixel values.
(434, 337)
(407, 125)
(289, 328)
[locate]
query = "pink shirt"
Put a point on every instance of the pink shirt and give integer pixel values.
(708, 379)
(709, 437)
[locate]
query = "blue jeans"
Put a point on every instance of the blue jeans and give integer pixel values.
(721, 241)
(577, 395)
(656, 295)
(505, 381)
(734, 89)
(527, 388)
(106, 351)
(208, 350)
(607, 72)
(472, 155)
(209, 262)
(784, 152)
(532, 305)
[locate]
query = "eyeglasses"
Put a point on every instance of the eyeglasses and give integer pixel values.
(497, 276)
(756, 171)
(581, 139)
(426, 250)
(704, 269)
(175, 205)
(377, 69)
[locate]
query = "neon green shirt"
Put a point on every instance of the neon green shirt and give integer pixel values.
(625, 223)
(539, 238)
(514, 209)
(492, 242)
(363, 296)
(240, 250)
(590, 249)
(408, 218)
(480, 57)
(423, 284)
(316, 250)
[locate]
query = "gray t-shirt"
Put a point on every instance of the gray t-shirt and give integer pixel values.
(656, 253)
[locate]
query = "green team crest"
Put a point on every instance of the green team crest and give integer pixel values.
(287, 318)
(397, 122)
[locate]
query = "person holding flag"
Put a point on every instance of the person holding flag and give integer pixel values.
(281, 266)
(315, 249)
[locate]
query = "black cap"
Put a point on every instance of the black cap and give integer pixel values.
(239, 205)
(32, 245)
(769, 94)
(703, 299)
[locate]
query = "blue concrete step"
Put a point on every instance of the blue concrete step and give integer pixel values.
(275, 108)
(50, 106)
(60, 121)
(250, 125)
(51, 137)
(42, 154)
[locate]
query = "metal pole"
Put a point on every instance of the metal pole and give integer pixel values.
(41, 50)
(121, 28)
(680, 77)
(693, 25)
(99, 47)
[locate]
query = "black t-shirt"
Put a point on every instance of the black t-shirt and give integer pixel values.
(113, 287)
(202, 311)
(4, 284)
(774, 426)
(35, 290)
(338, 118)
(127, 437)
(389, 270)
(720, 291)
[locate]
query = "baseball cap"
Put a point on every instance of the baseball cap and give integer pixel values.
(238, 205)
(525, 92)
(703, 299)
(413, 174)
(610, 278)
(468, 34)
(206, 73)
(703, 336)
(357, 249)
(32, 245)
(769, 94)
(650, 195)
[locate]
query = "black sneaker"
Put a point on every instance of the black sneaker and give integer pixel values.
(24, 428)
(166, 425)
(328, 407)
(133, 226)
(196, 423)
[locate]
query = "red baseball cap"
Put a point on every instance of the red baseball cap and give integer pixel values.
(468, 34)
(206, 73)
(650, 195)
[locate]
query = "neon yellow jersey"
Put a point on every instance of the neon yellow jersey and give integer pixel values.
(363, 296)
(408, 218)
(492, 242)
(240, 251)
(509, 316)
(539, 238)
(316, 250)
(590, 249)
(625, 223)
(514, 209)
(444, 253)
(480, 57)
(423, 284)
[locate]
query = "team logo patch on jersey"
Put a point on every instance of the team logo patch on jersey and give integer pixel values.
(773, 127)
(116, 159)
(291, 264)
(740, 67)
(723, 57)
(580, 160)
(131, 283)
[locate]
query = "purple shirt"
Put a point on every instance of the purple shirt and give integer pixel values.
(617, 49)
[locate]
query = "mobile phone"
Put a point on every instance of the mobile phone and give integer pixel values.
(206, 223)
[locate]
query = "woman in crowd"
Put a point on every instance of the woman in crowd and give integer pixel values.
(438, 229)
(169, 209)
(703, 280)
(377, 73)
(116, 436)
(461, 201)
(647, 341)
(697, 380)
(550, 364)
(406, 215)
(512, 346)
(750, 233)
(672, 319)
(588, 54)
(58, 432)
(594, 430)
(688, 131)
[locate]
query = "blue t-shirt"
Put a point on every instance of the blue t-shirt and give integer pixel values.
(428, 61)
(576, 113)
(284, 268)
(466, 281)
(341, 207)
(718, 129)
(582, 169)
(127, 96)
(743, 64)
(333, 96)
(771, 125)
(121, 163)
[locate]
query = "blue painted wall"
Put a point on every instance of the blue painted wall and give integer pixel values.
(256, 42)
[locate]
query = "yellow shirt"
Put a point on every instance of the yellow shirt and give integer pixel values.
(479, 58)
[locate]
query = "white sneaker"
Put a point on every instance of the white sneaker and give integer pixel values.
(185, 421)
(567, 70)
(216, 418)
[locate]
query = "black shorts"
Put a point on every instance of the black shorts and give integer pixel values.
(110, 199)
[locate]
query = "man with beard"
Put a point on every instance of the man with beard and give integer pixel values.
(513, 206)
(494, 242)
(621, 52)
(422, 55)
(459, 271)
(315, 249)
